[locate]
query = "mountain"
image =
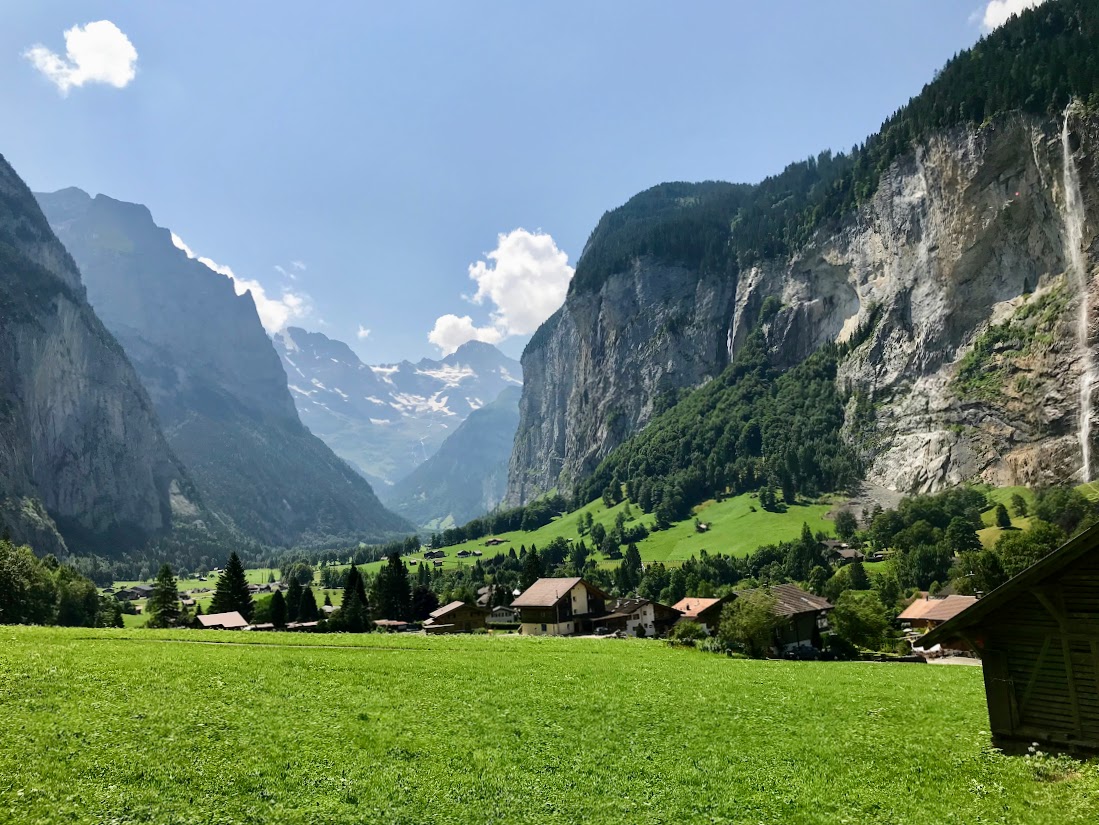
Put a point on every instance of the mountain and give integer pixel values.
(84, 466)
(953, 254)
(468, 474)
(215, 380)
(388, 419)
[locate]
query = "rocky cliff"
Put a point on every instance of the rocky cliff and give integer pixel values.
(82, 457)
(969, 269)
(215, 379)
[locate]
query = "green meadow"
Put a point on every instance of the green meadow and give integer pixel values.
(192, 727)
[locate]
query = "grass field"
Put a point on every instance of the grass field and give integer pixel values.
(735, 528)
(175, 727)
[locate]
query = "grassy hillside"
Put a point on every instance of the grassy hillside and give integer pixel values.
(404, 734)
(738, 525)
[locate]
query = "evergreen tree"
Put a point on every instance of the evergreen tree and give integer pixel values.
(278, 609)
(393, 595)
(231, 592)
(327, 600)
(293, 600)
(532, 568)
(163, 607)
(1003, 520)
(1019, 505)
(307, 607)
(857, 578)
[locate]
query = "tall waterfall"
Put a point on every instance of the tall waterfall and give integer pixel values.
(1074, 244)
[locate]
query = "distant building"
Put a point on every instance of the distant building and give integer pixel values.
(456, 617)
(706, 612)
(803, 617)
(503, 615)
(223, 621)
(628, 614)
(559, 607)
(927, 611)
(1038, 638)
(138, 591)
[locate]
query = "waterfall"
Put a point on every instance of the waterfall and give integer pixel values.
(1074, 244)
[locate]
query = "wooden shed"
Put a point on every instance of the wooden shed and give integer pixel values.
(1038, 638)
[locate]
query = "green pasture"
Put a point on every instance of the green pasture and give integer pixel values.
(213, 727)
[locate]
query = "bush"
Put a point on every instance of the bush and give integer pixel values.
(687, 633)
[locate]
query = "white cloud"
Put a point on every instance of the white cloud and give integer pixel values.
(298, 265)
(95, 53)
(998, 12)
(525, 279)
(363, 333)
(274, 313)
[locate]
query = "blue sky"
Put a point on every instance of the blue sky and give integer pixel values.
(384, 148)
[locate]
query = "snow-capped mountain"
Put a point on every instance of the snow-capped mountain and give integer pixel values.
(387, 419)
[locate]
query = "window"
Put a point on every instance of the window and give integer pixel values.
(543, 628)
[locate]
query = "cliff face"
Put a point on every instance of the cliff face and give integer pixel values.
(82, 457)
(961, 264)
(216, 380)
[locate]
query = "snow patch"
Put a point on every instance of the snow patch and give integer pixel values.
(450, 375)
(507, 376)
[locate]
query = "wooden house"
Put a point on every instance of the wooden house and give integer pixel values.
(559, 607)
(1038, 638)
(706, 612)
(629, 614)
(456, 617)
(930, 612)
(802, 616)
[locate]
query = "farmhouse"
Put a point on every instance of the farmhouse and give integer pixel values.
(138, 591)
(559, 607)
(628, 615)
(802, 615)
(456, 617)
(1038, 638)
(931, 612)
(706, 612)
(223, 621)
(503, 615)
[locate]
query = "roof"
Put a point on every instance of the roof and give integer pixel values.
(230, 620)
(691, 607)
(791, 600)
(548, 592)
(1062, 557)
(450, 608)
(936, 610)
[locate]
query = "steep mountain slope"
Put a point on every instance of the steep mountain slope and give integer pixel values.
(82, 457)
(962, 235)
(215, 379)
(388, 419)
(468, 474)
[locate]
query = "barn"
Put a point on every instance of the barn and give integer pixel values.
(1038, 638)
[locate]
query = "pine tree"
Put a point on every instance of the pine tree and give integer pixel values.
(393, 595)
(278, 609)
(532, 568)
(293, 600)
(163, 607)
(231, 592)
(1003, 519)
(307, 607)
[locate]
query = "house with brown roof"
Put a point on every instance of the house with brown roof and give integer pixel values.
(706, 612)
(1038, 639)
(627, 615)
(223, 621)
(456, 617)
(929, 612)
(559, 607)
(803, 617)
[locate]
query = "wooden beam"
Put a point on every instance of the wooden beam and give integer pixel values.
(1070, 673)
(1034, 675)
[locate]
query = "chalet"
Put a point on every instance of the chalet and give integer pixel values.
(1038, 638)
(929, 612)
(629, 614)
(223, 621)
(495, 542)
(138, 591)
(187, 602)
(559, 607)
(503, 615)
(706, 612)
(456, 617)
(435, 554)
(803, 617)
(463, 554)
(392, 625)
